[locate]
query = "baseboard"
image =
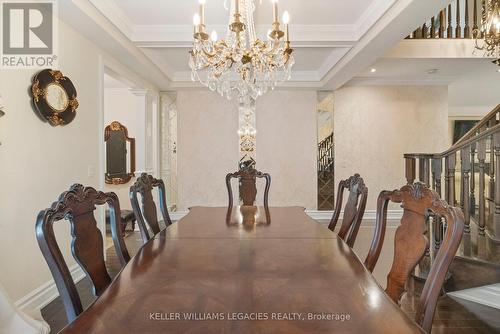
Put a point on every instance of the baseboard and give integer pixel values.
(46, 293)
(177, 215)
(319, 215)
(369, 215)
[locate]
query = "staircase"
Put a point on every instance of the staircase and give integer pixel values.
(326, 182)
(461, 19)
(467, 175)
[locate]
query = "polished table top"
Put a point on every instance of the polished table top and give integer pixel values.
(217, 273)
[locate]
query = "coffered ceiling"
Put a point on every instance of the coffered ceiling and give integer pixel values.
(333, 39)
(322, 31)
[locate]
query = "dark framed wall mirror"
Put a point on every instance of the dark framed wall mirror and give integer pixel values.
(120, 154)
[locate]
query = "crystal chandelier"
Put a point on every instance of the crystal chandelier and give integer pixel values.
(490, 30)
(241, 65)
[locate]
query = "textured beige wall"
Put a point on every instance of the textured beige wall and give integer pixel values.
(287, 146)
(374, 126)
(39, 162)
(208, 146)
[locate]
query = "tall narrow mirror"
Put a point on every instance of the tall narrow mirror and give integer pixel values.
(326, 182)
(120, 154)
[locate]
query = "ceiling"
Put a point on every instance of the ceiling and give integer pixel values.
(334, 40)
(322, 31)
(426, 71)
(175, 12)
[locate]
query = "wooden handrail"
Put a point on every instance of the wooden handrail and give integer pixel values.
(476, 159)
(486, 119)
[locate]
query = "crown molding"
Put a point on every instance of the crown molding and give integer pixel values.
(401, 81)
(371, 15)
(116, 15)
(297, 76)
(289, 85)
(330, 61)
(180, 36)
(116, 90)
(117, 48)
(139, 92)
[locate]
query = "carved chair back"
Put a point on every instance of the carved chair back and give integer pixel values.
(146, 213)
(248, 186)
(77, 205)
(419, 204)
(353, 210)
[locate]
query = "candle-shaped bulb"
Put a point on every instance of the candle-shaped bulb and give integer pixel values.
(213, 36)
(275, 10)
(269, 31)
(286, 17)
(286, 20)
(202, 11)
(196, 19)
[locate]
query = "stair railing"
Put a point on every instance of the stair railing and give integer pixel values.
(460, 19)
(474, 158)
(485, 123)
(325, 154)
(326, 176)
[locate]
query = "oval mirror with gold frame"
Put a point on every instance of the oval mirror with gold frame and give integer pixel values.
(54, 97)
(120, 154)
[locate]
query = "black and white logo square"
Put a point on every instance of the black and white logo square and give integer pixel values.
(28, 34)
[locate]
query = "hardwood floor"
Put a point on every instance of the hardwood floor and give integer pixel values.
(453, 316)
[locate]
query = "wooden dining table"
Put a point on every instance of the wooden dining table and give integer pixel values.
(249, 270)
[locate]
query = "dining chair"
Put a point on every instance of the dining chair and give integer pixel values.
(247, 178)
(146, 213)
(419, 204)
(354, 208)
(77, 205)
